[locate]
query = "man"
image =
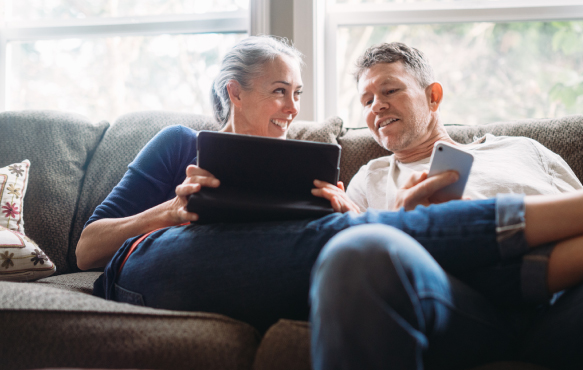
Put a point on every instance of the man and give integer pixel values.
(377, 304)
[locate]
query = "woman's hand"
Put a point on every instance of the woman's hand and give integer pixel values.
(196, 178)
(336, 195)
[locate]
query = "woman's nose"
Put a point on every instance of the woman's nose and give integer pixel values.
(292, 106)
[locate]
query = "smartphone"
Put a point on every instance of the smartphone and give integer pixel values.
(446, 157)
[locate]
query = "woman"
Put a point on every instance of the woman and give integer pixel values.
(260, 272)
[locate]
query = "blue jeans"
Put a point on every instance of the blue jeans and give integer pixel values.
(381, 299)
(259, 273)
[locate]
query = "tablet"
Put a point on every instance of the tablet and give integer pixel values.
(262, 179)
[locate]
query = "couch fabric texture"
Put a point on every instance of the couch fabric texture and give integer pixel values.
(55, 322)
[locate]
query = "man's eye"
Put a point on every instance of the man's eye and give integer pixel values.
(368, 102)
(391, 91)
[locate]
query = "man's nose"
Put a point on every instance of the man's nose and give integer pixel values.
(379, 105)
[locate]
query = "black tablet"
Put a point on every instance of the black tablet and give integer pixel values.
(262, 179)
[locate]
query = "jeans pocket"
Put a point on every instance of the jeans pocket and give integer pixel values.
(127, 296)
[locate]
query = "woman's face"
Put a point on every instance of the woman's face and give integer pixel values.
(272, 102)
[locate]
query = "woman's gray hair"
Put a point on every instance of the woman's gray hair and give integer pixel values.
(243, 63)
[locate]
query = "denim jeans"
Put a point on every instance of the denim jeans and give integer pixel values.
(260, 272)
(381, 299)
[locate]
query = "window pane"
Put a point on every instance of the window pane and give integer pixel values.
(489, 71)
(67, 9)
(104, 78)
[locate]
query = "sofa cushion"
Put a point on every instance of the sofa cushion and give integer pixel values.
(21, 259)
(562, 136)
(58, 146)
(131, 132)
(13, 184)
(47, 326)
(286, 345)
(326, 131)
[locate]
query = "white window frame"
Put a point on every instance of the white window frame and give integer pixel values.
(255, 22)
(327, 17)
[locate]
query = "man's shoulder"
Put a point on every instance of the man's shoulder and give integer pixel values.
(499, 142)
(379, 164)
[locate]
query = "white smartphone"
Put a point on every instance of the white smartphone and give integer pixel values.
(446, 157)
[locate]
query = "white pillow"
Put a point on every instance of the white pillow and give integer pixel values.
(13, 183)
(21, 259)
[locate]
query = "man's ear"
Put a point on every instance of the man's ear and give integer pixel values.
(234, 90)
(434, 95)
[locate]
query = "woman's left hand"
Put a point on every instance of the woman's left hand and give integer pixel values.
(336, 195)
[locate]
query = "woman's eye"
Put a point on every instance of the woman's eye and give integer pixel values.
(299, 92)
(281, 90)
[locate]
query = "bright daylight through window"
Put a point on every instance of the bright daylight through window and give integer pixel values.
(491, 70)
(168, 64)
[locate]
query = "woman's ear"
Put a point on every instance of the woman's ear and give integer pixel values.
(234, 90)
(435, 95)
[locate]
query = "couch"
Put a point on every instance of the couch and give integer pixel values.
(56, 322)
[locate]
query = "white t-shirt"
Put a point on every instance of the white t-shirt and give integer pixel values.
(502, 164)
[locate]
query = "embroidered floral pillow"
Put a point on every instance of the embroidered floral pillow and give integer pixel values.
(21, 259)
(13, 183)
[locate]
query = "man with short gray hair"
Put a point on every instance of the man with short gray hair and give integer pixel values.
(379, 303)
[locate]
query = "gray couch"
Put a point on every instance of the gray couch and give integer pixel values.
(56, 322)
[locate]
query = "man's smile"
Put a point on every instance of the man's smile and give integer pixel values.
(385, 122)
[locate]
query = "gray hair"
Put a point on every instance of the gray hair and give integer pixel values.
(414, 61)
(243, 63)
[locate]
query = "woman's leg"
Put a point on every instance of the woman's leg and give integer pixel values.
(553, 217)
(379, 301)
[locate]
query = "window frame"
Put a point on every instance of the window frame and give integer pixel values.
(321, 50)
(255, 22)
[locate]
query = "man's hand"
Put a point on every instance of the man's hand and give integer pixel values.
(336, 195)
(420, 190)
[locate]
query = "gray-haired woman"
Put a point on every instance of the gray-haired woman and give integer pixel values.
(260, 272)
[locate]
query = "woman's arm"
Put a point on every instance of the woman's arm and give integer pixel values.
(101, 239)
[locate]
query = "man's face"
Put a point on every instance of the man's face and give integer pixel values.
(396, 107)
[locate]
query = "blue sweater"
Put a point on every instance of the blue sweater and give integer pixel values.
(151, 179)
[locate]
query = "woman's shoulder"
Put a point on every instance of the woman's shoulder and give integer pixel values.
(177, 132)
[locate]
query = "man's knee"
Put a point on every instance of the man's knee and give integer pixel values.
(361, 257)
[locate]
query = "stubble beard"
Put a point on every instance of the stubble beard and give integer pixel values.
(407, 137)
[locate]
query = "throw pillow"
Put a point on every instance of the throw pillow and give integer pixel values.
(13, 183)
(21, 259)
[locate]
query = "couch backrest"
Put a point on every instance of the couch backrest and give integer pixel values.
(59, 146)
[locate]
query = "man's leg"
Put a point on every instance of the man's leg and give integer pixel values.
(379, 301)
(555, 339)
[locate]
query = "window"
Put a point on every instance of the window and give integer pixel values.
(105, 58)
(498, 60)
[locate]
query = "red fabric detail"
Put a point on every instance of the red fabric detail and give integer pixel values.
(137, 242)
